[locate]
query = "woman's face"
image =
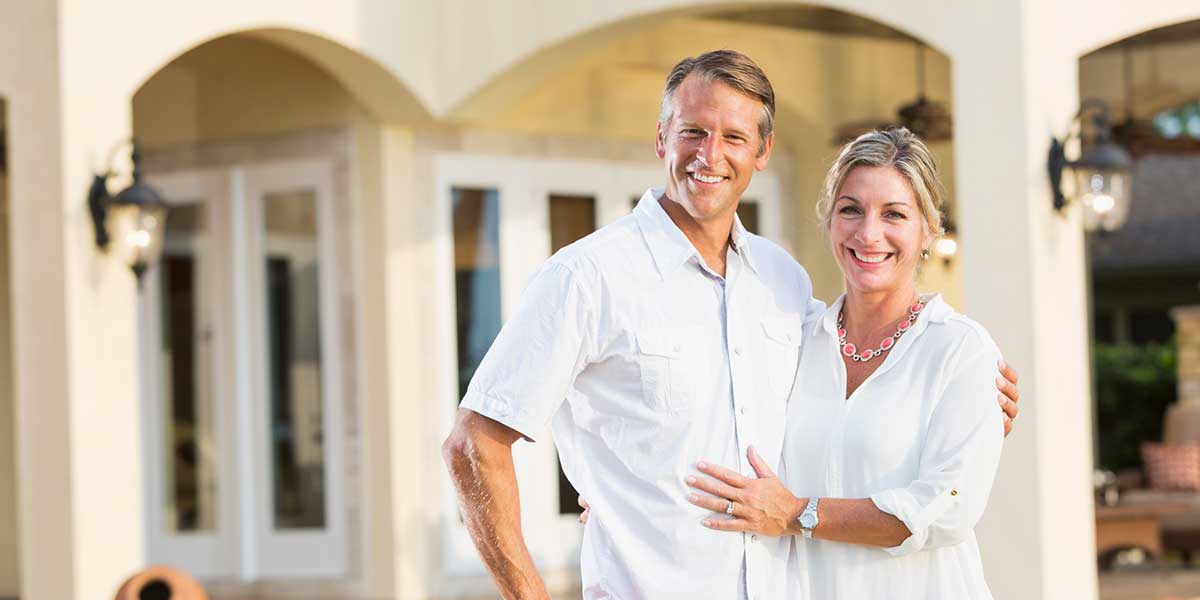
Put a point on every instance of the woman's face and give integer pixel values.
(876, 230)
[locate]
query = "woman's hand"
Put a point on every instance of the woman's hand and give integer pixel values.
(762, 506)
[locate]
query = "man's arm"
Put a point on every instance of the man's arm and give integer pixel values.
(478, 454)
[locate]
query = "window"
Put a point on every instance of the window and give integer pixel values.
(476, 277)
(245, 443)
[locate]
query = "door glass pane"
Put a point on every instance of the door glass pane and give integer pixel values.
(747, 211)
(296, 432)
(186, 326)
(476, 276)
(571, 218)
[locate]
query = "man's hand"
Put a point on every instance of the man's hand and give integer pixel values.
(587, 509)
(1009, 394)
(478, 454)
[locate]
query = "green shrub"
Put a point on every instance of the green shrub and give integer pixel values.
(1134, 385)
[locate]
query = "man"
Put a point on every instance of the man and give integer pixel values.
(667, 337)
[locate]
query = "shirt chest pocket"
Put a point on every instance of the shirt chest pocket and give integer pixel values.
(781, 348)
(661, 358)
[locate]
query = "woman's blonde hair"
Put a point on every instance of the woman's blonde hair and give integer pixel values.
(900, 149)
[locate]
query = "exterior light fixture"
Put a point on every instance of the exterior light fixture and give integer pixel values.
(130, 224)
(1102, 175)
(946, 246)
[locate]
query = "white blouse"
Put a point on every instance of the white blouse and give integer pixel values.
(920, 437)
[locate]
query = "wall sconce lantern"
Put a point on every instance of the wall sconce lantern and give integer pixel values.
(132, 223)
(946, 246)
(1102, 174)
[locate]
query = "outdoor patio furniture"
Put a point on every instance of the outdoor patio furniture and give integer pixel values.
(1133, 526)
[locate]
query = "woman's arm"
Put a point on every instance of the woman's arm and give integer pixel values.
(764, 506)
(959, 459)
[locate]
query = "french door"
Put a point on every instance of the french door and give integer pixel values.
(241, 377)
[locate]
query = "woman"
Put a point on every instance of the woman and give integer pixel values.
(886, 467)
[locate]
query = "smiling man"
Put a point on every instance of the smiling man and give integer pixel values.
(669, 336)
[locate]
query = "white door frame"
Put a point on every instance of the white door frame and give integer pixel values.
(243, 546)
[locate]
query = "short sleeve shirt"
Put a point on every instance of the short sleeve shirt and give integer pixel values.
(644, 361)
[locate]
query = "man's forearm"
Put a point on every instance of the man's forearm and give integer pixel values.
(483, 474)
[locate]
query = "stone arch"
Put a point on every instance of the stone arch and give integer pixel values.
(383, 93)
(539, 64)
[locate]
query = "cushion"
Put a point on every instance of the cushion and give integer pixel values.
(1172, 466)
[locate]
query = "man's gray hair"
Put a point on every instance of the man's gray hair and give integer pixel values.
(733, 69)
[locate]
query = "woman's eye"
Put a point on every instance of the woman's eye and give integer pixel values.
(848, 210)
(896, 215)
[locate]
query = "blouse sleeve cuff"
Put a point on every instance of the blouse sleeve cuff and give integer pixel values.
(501, 411)
(904, 506)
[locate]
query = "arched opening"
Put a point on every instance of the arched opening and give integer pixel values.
(250, 330)
(8, 475)
(575, 124)
(831, 70)
(1144, 276)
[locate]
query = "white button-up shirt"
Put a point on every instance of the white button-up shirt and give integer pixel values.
(647, 361)
(921, 437)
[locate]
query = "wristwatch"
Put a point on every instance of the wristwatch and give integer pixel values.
(808, 519)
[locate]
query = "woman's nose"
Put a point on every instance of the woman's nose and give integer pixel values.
(869, 230)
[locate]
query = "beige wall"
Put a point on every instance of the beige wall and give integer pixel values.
(8, 478)
(237, 88)
(1162, 76)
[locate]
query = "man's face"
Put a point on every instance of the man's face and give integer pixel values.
(711, 147)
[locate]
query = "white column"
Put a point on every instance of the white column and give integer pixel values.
(73, 325)
(1022, 272)
(402, 462)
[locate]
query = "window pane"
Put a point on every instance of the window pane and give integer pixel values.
(476, 276)
(747, 211)
(571, 218)
(186, 320)
(294, 365)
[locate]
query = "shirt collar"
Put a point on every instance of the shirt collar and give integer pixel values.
(668, 245)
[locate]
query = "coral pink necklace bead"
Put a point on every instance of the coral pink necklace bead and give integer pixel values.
(888, 342)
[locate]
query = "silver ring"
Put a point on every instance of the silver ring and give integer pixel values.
(729, 509)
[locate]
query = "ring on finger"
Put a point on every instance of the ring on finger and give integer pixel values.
(729, 508)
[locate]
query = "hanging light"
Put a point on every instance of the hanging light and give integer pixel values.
(131, 224)
(1102, 174)
(928, 119)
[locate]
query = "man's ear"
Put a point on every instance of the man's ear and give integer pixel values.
(760, 163)
(660, 144)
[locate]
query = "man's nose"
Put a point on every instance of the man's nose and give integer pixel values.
(711, 150)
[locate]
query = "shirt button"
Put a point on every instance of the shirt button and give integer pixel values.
(678, 347)
(738, 350)
(742, 411)
(754, 537)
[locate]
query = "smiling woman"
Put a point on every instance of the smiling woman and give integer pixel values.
(896, 454)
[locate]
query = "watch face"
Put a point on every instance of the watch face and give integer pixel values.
(808, 520)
